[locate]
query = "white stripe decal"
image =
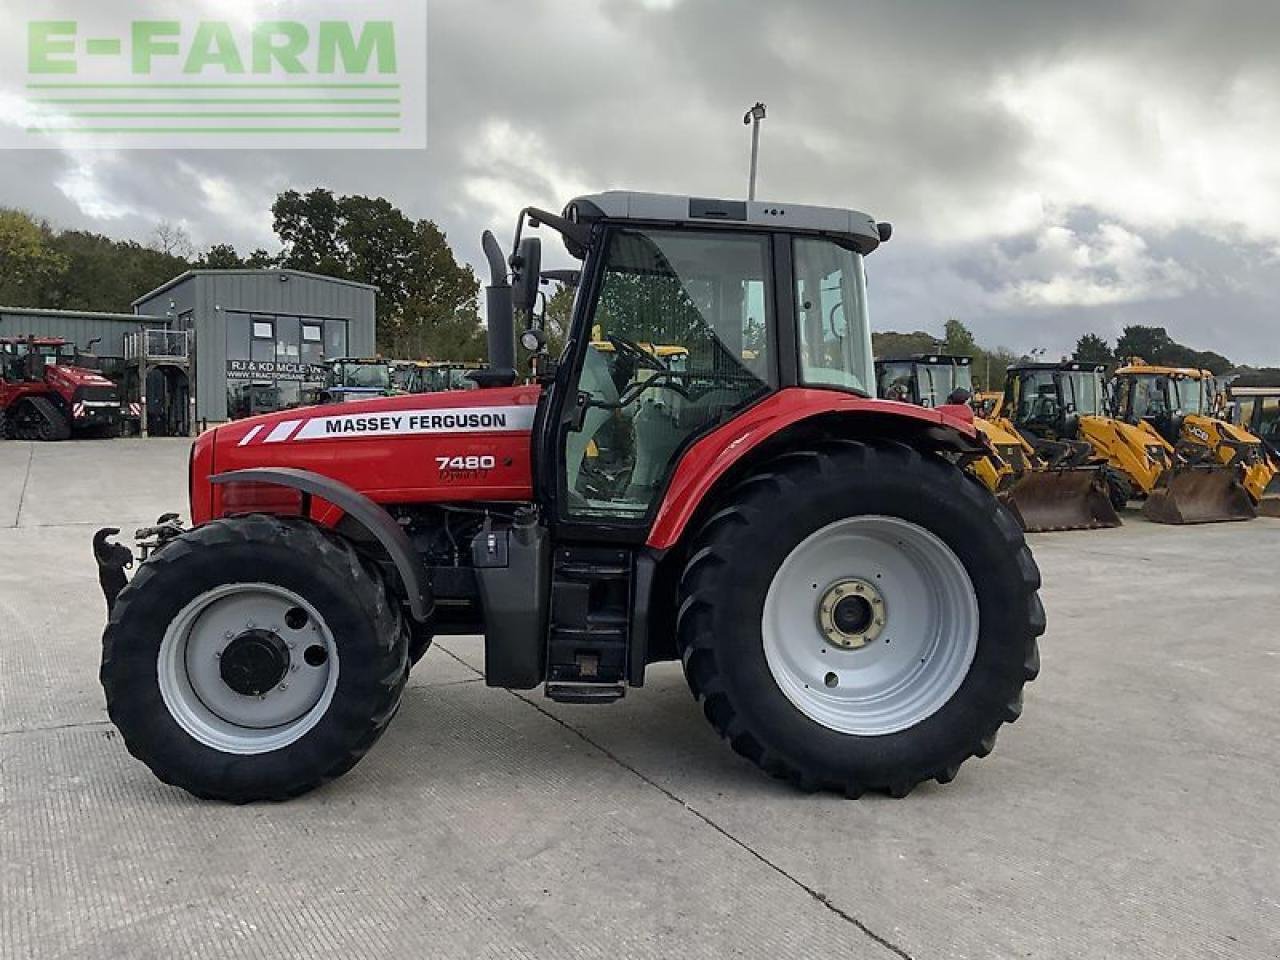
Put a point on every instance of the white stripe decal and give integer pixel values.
(248, 437)
(419, 422)
(282, 431)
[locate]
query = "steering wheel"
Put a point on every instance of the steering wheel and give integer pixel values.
(664, 380)
(637, 353)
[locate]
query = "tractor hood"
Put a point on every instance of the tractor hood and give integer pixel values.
(72, 377)
(457, 445)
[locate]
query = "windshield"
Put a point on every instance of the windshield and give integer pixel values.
(372, 375)
(1157, 395)
(936, 383)
(1083, 390)
(1266, 422)
(1037, 397)
(895, 381)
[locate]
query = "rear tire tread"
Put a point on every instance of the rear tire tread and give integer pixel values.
(753, 500)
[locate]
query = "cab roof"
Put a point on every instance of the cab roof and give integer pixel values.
(1065, 366)
(937, 359)
(1137, 368)
(858, 229)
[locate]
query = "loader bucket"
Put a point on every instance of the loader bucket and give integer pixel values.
(1045, 500)
(1269, 505)
(1199, 495)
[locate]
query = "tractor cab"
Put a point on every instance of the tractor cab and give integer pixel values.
(688, 312)
(25, 358)
(352, 378)
(433, 376)
(1047, 400)
(1162, 396)
(926, 379)
(1253, 403)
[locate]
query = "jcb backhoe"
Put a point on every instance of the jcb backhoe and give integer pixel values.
(1058, 488)
(1057, 402)
(1177, 403)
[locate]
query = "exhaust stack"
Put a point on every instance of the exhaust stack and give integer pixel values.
(501, 320)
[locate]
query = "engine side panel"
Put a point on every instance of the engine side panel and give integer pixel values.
(454, 446)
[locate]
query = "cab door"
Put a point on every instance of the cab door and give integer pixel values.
(676, 340)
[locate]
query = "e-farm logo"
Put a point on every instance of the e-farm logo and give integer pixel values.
(282, 74)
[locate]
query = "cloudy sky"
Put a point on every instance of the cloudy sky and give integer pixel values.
(1050, 168)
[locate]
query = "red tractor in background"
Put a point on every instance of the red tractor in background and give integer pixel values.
(46, 393)
(851, 610)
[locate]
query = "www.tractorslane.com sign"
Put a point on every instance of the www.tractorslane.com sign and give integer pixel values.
(274, 370)
(152, 73)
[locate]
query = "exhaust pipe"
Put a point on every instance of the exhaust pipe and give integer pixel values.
(501, 320)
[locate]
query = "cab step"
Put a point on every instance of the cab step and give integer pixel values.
(566, 692)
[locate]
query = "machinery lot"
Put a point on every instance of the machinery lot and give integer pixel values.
(1132, 812)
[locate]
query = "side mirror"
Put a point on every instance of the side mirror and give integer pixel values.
(527, 266)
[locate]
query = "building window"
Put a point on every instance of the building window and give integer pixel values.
(237, 336)
(312, 346)
(335, 339)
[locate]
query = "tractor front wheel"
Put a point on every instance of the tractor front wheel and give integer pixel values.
(253, 658)
(860, 617)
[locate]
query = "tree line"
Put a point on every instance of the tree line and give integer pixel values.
(428, 302)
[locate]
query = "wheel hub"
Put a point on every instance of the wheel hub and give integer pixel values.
(254, 662)
(851, 614)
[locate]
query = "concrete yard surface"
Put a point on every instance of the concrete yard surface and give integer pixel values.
(1133, 811)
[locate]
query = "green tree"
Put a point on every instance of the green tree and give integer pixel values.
(221, 256)
(1091, 348)
(106, 274)
(1154, 345)
(890, 345)
(29, 259)
(958, 340)
(427, 301)
(1148, 343)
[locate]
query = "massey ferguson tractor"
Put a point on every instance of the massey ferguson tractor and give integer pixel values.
(46, 394)
(852, 611)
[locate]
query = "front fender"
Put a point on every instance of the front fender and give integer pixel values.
(709, 459)
(370, 516)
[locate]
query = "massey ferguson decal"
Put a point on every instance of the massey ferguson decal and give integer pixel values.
(517, 419)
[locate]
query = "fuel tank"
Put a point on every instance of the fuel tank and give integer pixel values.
(453, 446)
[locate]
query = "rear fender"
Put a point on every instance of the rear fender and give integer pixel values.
(786, 419)
(356, 508)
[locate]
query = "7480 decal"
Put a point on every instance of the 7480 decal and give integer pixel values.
(451, 464)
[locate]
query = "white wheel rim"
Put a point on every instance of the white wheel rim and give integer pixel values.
(206, 707)
(917, 660)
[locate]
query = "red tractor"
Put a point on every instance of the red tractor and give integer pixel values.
(46, 392)
(851, 610)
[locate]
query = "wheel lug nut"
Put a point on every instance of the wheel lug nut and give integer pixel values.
(284, 686)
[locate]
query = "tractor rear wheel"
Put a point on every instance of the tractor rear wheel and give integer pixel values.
(253, 658)
(860, 617)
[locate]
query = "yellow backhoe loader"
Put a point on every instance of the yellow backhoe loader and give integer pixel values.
(1177, 403)
(1067, 493)
(1066, 402)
